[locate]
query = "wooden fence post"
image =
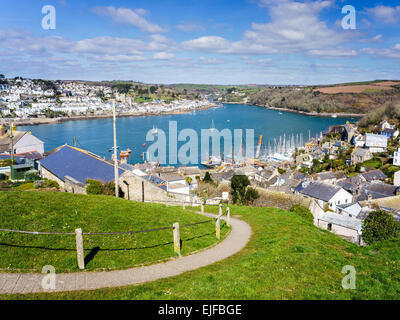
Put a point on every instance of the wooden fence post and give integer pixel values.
(218, 228)
(79, 249)
(228, 217)
(177, 239)
(220, 210)
(183, 206)
(202, 208)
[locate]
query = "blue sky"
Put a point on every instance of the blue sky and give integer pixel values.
(207, 41)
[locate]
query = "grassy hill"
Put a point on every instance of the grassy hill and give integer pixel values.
(286, 258)
(63, 212)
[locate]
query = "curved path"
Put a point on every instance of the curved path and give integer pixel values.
(32, 283)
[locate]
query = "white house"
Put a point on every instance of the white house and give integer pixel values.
(327, 196)
(175, 183)
(22, 142)
(376, 142)
(396, 158)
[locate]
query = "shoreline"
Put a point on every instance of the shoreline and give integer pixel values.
(314, 114)
(44, 121)
(304, 113)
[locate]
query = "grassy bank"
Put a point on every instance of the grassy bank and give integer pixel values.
(286, 258)
(62, 212)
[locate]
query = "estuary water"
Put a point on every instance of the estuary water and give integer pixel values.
(97, 135)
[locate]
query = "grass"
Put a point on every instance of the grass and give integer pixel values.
(63, 212)
(374, 163)
(286, 258)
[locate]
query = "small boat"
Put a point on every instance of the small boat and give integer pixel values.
(144, 145)
(154, 131)
(212, 129)
(280, 113)
(334, 116)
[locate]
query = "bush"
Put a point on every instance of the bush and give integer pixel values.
(207, 178)
(94, 187)
(379, 226)
(241, 191)
(303, 212)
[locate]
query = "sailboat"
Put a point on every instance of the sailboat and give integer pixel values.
(212, 129)
(154, 131)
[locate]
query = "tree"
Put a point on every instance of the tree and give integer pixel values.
(189, 180)
(2, 76)
(207, 178)
(241, 191)
(379, 226)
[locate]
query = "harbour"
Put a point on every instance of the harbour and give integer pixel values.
(282, 132)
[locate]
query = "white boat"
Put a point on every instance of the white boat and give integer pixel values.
(212, 129)
(154, 131)
(334, 116)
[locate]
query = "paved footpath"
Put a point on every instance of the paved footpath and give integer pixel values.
(32, 283)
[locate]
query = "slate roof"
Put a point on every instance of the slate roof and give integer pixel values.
(377, 190)
(5, 141)
(373, 175)
(340, 220)
(321, 191)
(78, 164)
(348, 186)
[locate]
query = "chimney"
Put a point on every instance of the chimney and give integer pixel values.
(369, 198)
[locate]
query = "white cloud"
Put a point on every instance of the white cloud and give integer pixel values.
(129, 17)
(208, 60)
(163, 56)
(294, 27)
(385, 14)
(393, 53)
(373, 39)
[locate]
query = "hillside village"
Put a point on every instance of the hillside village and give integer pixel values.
(22, 99)
(341, 176)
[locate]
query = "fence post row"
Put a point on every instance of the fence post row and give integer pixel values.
(218, 228)
(220, 210)
(79, 249)
(177, 239)
(228, 216)
(202, 208)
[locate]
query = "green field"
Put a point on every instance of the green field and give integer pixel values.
(63, 212)
(286, 258)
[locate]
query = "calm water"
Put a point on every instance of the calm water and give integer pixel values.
(97, 135)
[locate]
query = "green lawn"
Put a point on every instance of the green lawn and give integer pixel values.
(374, 163)
(286, 258)
(63, 212)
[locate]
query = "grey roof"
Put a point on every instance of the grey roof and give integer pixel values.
(376, 140)
(348, 186)
(321, 191)
(373, 175)
(377, 190)
(326, 175)
(359, 152)
(337, 219)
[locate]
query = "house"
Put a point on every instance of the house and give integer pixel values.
(377, 190)
(390, 133)
(376, 143)
(344, 226)
(22, 141)
(78, 166)
(396, 158)
(360, 155)
(348, 132)
(149, 188)
(326, 195)
(373, 175)
(396, 179)
(175, 183)
(359, 141)
(386, 125)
